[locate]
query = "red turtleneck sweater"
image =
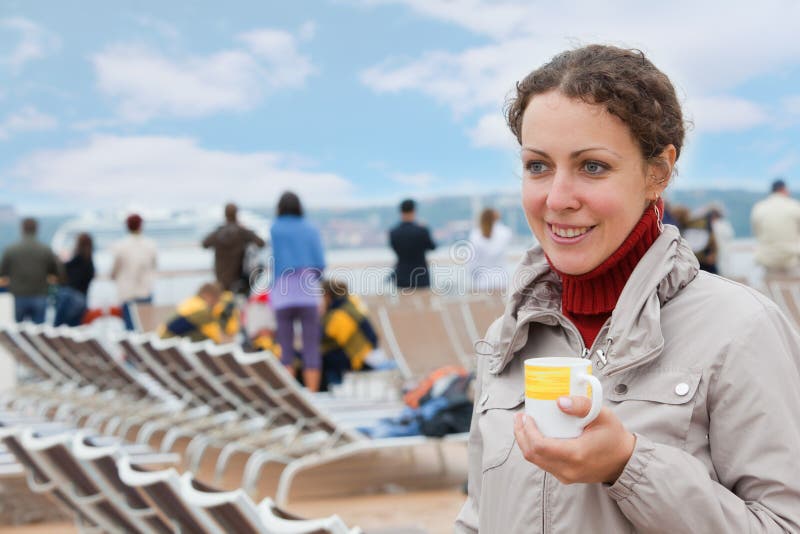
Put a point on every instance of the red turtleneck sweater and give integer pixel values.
(588, 299)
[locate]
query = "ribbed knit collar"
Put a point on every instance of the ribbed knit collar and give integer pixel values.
(598, 290)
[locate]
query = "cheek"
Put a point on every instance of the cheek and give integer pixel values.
(533, 200)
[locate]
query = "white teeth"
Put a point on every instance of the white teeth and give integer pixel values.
(570, 232)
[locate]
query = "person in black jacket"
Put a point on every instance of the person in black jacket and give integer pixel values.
(410, 241)
(79, 272)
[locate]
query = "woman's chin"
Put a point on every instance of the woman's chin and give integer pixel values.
(572, 267)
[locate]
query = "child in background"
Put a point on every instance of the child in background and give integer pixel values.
(206, 315)
(348, 339)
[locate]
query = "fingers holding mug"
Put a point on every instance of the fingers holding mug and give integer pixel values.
(557, 393)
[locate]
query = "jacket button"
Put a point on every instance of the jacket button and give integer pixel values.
(682, 389)
(620, 389)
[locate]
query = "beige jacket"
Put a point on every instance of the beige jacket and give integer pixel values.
(134, 268)
(776, 225)
(721, 457)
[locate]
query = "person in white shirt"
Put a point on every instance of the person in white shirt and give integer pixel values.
(776, 226)
(134, 268)
(487, 266)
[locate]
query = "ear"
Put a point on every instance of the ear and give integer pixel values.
(659, 171)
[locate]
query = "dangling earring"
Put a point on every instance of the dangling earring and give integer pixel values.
(658, 215)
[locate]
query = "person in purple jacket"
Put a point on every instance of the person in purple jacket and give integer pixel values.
(298, 262)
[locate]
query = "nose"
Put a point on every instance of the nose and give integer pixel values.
(562, 194)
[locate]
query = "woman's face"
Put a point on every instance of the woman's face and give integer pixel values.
(585, 183)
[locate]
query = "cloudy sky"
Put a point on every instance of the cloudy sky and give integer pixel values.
(183, 103)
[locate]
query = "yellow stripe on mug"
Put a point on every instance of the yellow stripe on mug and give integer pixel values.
(549, 383)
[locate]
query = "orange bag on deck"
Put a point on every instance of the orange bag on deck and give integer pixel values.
(413, 397)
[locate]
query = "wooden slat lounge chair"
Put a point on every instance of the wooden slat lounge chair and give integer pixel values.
(99, 460)
(422, 340)
(161, 490)
(314, 438)
(148, 317)
(234, 511)
(40, 481)
(96, 498)
(484, 311)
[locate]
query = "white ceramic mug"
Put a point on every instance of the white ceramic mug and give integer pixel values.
(547, 379)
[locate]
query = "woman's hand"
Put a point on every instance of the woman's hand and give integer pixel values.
(598, 455)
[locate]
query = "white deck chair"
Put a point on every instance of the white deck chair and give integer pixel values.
(162, 491)
(422, 340)
(236, 512)
(40, 482)
(318, 438)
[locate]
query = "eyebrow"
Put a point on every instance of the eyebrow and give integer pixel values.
(575, 154)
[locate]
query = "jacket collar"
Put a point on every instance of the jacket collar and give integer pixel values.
(634, 336)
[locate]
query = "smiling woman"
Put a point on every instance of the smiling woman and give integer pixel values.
(698, 432)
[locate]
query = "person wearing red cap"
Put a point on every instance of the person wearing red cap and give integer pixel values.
(134, 268)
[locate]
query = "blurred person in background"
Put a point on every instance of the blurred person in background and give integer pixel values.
(134, 268)
(298, 261)
(230, 242)
(489, 245)
(724, 235)
(698, 231)
(776, 226)
(79, 272)
(348, 338)
(210, 314)
(410, 241)
(258, 319)
(27, 267)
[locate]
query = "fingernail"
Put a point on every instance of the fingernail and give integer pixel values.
(565, 402)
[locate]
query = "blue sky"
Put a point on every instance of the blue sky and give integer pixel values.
(353, 102)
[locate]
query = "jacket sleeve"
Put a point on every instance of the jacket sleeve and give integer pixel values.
(467, 521)
(754, 436)
(252, 237)
(210, 240)
(431, 245)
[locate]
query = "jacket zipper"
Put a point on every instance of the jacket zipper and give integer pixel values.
(544, 502)
(586, 353)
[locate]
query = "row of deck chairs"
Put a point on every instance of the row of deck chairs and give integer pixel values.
(159, 391)
(420, 330)
(108, 486)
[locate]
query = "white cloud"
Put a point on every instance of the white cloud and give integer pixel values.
(791, 104)
(478, 78)
(147, 83)
(35, 42)
(703, 49)
(287, 66)
(724, 114)
(495, 18)
(492, 131)
(28, 119)
(113, 171)
(784, 164)
(420, 180)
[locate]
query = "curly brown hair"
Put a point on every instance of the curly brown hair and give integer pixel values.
(623, 81)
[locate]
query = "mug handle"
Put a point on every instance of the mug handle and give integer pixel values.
(597, 398)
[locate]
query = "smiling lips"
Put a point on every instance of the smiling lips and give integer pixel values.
(568, 234)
